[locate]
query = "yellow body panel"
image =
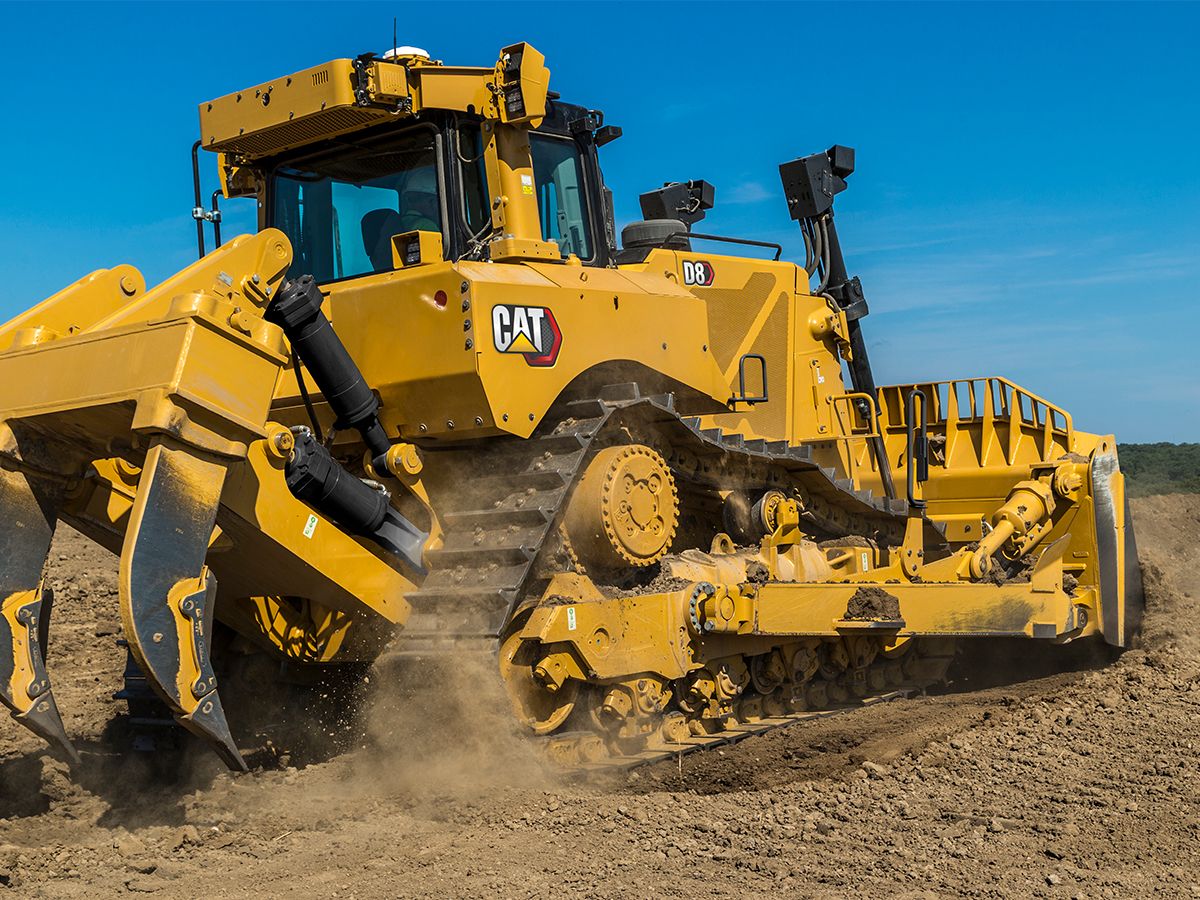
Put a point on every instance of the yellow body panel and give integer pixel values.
(441, 375)
(74, 308)
(284, 112)
(763, 307)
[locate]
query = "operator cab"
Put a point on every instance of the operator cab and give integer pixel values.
(341, 201)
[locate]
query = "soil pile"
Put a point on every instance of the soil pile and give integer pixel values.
(873, 603)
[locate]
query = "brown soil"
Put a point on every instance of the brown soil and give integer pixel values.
(873, 603)
(1078, 783)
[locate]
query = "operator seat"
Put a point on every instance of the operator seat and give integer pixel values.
(378, 226)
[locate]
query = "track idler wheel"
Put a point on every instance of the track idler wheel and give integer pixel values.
(29, 521)
(625, 510)
(537, 708)
(749, 520)
(167, 593)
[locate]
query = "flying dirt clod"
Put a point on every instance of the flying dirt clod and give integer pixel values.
(432, 409)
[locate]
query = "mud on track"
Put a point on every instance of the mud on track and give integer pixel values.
(1076, 783)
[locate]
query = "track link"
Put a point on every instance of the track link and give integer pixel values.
(585, 752)
(923, 666)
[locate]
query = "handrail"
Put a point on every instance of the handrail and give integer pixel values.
(685, 236)
(849, 402)
(988, 401)
(916, 454)
(989, 380)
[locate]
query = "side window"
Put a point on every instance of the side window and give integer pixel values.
(476, 211)
(558, 173)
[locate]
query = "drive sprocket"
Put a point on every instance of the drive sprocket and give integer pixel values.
(625, 510)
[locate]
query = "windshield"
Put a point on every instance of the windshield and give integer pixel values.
(340, 211)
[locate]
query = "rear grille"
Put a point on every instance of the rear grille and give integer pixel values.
(325, 124)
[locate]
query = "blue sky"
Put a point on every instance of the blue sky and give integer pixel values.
(1027, 200)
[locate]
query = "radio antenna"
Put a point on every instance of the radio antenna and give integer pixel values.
(393, 32)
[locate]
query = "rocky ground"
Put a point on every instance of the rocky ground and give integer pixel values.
(1077, 783)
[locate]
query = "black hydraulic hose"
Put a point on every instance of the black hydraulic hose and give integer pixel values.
(307, 400)
(823, 266)
(860, 364)
(197, 206)
(216, 220)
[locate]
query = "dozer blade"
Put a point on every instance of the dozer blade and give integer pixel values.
(28, 528)
(167, 592)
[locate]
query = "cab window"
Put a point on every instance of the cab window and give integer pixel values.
(341, 211)
(558, 174)
(561, 193)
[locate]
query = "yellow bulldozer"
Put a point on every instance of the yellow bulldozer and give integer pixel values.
(434, 408)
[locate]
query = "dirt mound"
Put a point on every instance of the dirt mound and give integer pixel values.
(873, 603)
(1078, 783)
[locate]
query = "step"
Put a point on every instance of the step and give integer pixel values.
(488, 518)
(476, 557)
(469, 579)
(505, 537)
(517, 497)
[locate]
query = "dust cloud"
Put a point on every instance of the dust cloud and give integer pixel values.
(445, 723)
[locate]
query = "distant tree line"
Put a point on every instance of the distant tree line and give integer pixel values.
(1160, 468)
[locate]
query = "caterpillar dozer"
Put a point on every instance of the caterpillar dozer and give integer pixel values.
(433, 408)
